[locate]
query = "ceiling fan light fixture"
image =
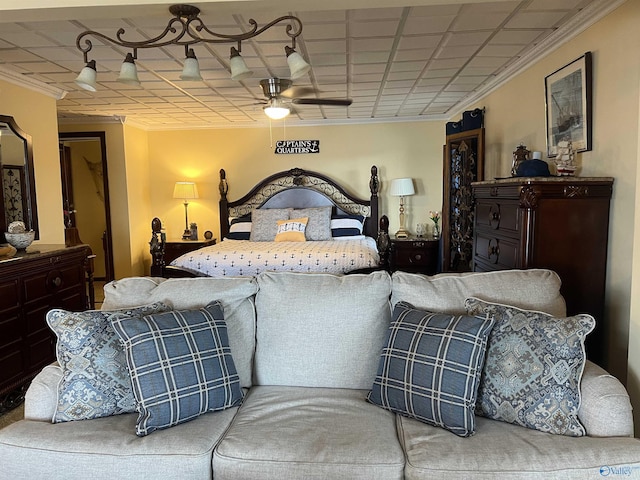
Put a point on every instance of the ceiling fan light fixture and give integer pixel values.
(191, 69)
(239, 69)
(87, 77)
(297, 65)
(276, 110)
(129, 72)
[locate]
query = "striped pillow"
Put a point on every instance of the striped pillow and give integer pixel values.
(346, 225)
(180, 365)
(240, 228)
(430, 368)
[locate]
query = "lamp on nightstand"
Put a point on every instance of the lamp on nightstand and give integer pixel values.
(185, 191)
(402, 187)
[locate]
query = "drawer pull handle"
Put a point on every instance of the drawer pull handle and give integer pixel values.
(493, 250)
(418, 257)
(494, 217)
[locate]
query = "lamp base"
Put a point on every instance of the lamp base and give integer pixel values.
(402, 233)
(186, 235)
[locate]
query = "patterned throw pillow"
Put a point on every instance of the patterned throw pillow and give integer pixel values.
(291, 230)
(95, 380)
(533, 368)
(346, 225)
(430, 367)
(319, 224)
(180, 365)
(263, 223)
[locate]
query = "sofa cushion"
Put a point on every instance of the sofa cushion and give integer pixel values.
(534, 289)
(320, 330)
(533, 368)
(108, 449)
(430, 368)
(235, 295)
(180, 365)
(504, 451)
(95, 379)
(298, 432)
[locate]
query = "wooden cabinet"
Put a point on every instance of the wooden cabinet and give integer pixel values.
(32, 283)
(174, 248)
(559, 223)
(416, 255)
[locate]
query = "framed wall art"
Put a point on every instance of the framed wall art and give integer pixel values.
(568, 103)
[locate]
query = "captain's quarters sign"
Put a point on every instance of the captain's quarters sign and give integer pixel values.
(297, 146)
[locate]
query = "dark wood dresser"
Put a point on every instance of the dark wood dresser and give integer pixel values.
(31, 283)
(414, 254)
(559, 223)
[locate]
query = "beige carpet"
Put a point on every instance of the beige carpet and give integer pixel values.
(12, 416)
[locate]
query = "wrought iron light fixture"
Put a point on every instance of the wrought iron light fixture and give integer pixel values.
(187, 29)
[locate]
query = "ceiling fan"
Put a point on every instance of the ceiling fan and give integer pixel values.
(281, 94)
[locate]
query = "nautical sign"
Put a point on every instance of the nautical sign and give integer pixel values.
(297, 146)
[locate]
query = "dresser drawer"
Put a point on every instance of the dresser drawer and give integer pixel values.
(419, 256)
(500, 215)
(499, 251)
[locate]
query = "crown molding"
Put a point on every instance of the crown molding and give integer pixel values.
(31, 83)
(578, 24)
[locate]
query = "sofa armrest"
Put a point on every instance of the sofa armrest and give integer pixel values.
(605, 410)
(42, 396)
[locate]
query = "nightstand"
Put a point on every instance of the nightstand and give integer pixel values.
(414, 254)
(174, 248)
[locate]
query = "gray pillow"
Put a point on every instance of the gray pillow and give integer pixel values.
(319, 224)
(95, 379)
(264, 226)
(533, 369)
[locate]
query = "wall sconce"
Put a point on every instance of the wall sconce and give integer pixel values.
(185, 191)
(402, 187)
(187, 29)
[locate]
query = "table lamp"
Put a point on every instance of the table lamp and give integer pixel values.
(402, 187)
(185, 191)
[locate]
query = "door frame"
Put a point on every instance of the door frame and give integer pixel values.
(101, 137)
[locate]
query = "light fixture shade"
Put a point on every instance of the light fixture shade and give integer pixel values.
(185, 190)
(129, 72)
(297, 64)
(87, 77)
(239, 69)
(191, 69)
(401, 187)
(276, 110)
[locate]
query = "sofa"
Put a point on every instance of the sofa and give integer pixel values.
(307, 351)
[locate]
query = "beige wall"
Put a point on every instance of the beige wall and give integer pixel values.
(516, 113)
(347, 153)
(35, 113)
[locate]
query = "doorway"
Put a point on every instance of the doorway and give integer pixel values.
(85, 195)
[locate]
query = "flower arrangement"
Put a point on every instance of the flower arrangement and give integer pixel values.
(435, 218)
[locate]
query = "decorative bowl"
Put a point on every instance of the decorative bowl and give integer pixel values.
(20, 240)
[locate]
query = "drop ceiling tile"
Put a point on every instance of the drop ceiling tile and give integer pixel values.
(413, 42)
(373, 29)
(413, 55)
(553, 4)
(516, 37)
(369, 57)
(507, 51)
(428, 25)
(535, 19)
(325, 31)
(327, 47)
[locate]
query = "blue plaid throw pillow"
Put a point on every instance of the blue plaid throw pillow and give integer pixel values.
(180, 365)
(430, 368)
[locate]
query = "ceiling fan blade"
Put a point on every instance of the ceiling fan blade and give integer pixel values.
(293, 92)
(336, 102)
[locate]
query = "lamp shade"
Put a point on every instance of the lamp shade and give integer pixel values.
(129, 72)
(401, 187)
(191, 69)
(239, 69)
(297, 65)
(87, 77)
(276, 110)
(185, 190)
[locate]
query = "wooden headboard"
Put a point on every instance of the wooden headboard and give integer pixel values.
(298, 188)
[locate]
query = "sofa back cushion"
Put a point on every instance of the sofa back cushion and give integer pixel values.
(535, 289)
(320, 330)
(235, 294)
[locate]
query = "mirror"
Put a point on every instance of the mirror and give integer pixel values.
(18, 199)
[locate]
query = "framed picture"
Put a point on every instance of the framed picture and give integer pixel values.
(568, 104)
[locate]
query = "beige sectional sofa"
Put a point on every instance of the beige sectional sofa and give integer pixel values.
(307, 351)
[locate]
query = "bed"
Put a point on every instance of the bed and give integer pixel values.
(295, 220)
